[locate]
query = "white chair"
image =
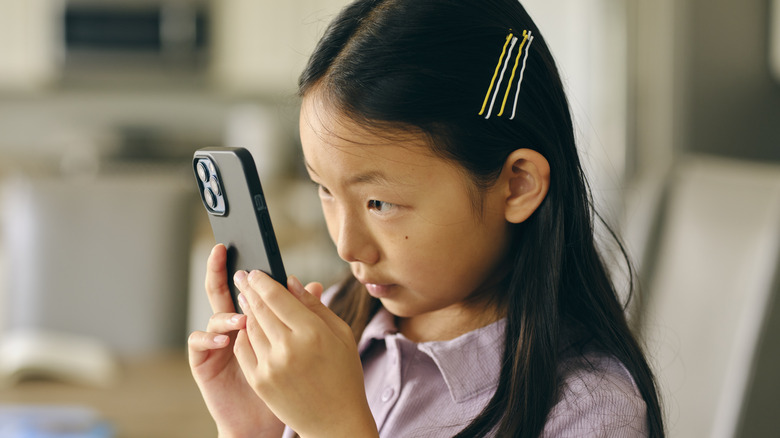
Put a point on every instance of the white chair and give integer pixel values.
(710, 299)
(102, 258)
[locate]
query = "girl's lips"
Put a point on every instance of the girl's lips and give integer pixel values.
(378, 290)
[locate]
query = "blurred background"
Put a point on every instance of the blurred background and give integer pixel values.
(103, 102)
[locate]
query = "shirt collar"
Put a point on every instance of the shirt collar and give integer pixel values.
(470, 364)
(381, 325)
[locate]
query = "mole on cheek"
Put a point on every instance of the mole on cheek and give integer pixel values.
(406, 237)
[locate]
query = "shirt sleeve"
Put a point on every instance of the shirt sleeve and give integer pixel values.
(599, 400)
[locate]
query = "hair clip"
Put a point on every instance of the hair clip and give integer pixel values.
(503, 63)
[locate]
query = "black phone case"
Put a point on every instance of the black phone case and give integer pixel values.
(240, 218)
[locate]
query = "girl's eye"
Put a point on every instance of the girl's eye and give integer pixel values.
(323, 190)
(380, 206)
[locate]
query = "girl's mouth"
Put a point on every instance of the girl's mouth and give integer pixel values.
(378, 290)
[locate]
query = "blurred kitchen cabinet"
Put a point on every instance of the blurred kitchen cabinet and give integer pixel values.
(260, 47)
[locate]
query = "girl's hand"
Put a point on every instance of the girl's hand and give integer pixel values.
(301, 359)
(233, 404)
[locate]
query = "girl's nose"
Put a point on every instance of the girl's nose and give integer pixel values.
(355, 243)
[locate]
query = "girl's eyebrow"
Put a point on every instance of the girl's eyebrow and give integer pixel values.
(371, 177)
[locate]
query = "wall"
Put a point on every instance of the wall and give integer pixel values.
(733, 101)
(27, 42)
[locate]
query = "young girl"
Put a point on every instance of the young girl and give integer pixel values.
(441, 142)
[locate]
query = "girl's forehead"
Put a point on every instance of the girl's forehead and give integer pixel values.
(323, 126)
(344, 158)
(336, 148)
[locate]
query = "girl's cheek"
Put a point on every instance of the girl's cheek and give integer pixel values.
(331, 220)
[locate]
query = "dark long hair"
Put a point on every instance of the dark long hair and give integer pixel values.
(427, 65)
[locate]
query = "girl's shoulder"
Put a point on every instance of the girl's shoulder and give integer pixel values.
(597, 397)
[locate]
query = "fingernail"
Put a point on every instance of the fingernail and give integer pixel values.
(242, 301)
(220, 339)
(253, 275)
(239, 277)
(236, 318)
(296, 286)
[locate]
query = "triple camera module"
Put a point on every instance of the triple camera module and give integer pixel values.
(210, 187)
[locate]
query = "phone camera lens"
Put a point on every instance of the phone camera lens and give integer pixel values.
(211, 199)
(214, 184)
(203, 172)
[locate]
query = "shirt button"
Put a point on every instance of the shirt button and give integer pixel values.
(387, 394)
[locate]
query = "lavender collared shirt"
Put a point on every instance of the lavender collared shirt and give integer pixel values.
(435, 389)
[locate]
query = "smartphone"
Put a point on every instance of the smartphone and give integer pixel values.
(231, 192)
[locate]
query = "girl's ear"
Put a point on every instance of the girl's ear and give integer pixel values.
(526, 180)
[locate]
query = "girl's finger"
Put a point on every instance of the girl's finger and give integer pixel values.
(254, 329)
(226, 322)
(217, 282)
(284, 304)
(200, 344)
(252, 302)
(288, 306)
(315, 289)
(312, 301)
(205, 341)
(245, 353)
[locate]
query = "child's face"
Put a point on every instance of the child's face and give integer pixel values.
(403, 218)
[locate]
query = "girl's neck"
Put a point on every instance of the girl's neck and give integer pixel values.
(447, 324)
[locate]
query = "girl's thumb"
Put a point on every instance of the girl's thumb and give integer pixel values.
(315, 289)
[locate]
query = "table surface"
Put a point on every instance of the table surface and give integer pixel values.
(154, 397)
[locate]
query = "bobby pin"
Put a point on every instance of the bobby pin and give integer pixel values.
(511, 41)
(522, 72)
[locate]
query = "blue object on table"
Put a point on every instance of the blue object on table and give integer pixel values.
(30, 421)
